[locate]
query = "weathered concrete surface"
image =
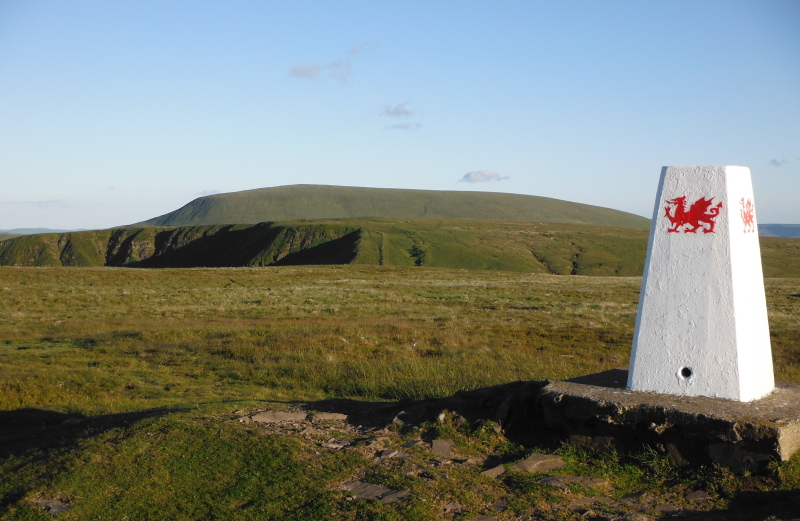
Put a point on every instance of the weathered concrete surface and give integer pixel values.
(598, 411)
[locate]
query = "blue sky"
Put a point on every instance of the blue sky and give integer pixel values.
(115, 112)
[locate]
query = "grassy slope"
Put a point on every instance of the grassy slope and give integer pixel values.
(561, 249)
(286, 203)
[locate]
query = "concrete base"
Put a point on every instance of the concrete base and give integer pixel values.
(597, 411)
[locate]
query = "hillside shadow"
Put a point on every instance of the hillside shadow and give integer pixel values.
(36, 434)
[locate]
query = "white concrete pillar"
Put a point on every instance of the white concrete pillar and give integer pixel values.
(701, 328)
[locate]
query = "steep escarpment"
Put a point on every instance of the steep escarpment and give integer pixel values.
(263, 244)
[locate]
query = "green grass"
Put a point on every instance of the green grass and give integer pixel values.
(118, 386)
(288, 203)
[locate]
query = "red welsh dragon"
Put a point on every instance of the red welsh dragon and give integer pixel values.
(696, 217)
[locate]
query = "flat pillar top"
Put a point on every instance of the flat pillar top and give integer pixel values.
(778, 410)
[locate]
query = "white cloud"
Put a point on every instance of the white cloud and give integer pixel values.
(339, 69)
(398, 111)
(308, 72)
(778, 162)
(481, 176)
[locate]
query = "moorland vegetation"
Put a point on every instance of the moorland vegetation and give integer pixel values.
(119, 388)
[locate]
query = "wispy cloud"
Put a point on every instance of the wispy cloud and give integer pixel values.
(778, 162)
(339, 69)
(482, 176)
(398, 111)
(307, 72)
(405, 126)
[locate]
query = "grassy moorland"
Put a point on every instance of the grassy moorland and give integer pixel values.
(288, 203)
(118, 386)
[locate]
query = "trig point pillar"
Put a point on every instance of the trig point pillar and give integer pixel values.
(701, 328)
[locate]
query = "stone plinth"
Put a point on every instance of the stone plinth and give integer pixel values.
(597, 411)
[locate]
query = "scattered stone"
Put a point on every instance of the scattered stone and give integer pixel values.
(540, 463)
(584, 501)
(440, 462)
(362, 490)
(398, 421)
(412, 443)
(697, 495)
(666, 508)
(563, 482)
(494, 472)
(336, 444)
(499, 505)
(452, 508)
(52, 506)
(637, 516)
(394, 497)
(246, 419)
(443, 448)
(484, 518)
(387, 453)
(329, 416)
(278, 417)
(472, 460)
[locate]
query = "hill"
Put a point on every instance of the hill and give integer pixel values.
(288, 203)
(557, 248)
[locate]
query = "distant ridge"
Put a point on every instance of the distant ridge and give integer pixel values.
(295, 202)
(789, 231)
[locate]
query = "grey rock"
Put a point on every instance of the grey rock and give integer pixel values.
(484, 518)
(494, 472)
(697, 495)
(667, 508)
(336, 444)
(452, 508)
(443, 448)
(328, 416)
(499, 505)
(278, 417)
(637, 516)
(52, 506)
(539, 463)
(245, 419)
(563, 482)
(584, 501)
(394, 497)
(362, 490)
(412, 443)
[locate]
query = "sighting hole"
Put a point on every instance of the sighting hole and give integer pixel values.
(686, 372)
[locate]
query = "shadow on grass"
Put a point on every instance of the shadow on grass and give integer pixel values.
(36, 434)
(748, 506)
(514, 406)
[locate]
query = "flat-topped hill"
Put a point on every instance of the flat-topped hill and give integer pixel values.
(289, 203)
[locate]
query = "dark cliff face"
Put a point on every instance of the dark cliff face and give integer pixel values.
(262, 244)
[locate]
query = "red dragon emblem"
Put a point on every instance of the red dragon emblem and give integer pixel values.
(748, 215)
(699, 216)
